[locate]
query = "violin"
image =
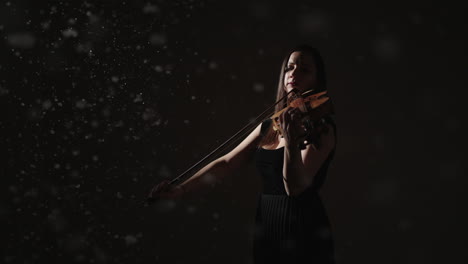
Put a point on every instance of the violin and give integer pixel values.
(314, 106)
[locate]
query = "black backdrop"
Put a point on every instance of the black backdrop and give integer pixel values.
(100, 100)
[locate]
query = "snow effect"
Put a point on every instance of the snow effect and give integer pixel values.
(101, 100)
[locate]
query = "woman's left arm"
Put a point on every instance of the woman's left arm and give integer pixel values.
(301, 166)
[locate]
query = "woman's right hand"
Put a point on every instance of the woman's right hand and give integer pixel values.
(163, 190)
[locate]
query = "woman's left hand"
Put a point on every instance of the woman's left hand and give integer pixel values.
(293, 130)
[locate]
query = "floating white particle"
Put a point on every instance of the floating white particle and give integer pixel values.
(314, 22)
(46, 104)
(75, 174)
(166, 205)
(150, 9)
(94, 123)
(258, 87)
(158, 39)
(213, 65)
(216, 216)
(31, 193)
(70, 33)
(23, 40)
(157, 122)
(138, 98)
(80, 104)
(158, 68)
(45, 25)
(191, 209)
(3, 91)
(72, 21)
(119, 123)
(164, 171)
(387, 48)
(13, 189)
(130, 240)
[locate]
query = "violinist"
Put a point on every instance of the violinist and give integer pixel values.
(292, 157)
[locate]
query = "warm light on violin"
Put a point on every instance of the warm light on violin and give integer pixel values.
(314, 107)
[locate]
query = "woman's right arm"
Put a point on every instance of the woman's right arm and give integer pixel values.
(212, 173)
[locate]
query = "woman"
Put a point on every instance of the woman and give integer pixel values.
(291, 222)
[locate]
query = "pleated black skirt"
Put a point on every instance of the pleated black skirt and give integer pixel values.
(292, 230)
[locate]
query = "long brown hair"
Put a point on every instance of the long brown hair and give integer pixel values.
(271, 136)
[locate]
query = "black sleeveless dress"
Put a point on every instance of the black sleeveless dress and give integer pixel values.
(290, 229)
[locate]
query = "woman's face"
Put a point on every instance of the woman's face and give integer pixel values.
(300, 72)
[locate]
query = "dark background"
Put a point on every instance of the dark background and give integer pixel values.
(101, 100)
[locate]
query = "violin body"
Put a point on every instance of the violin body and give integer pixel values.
(314, 107)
